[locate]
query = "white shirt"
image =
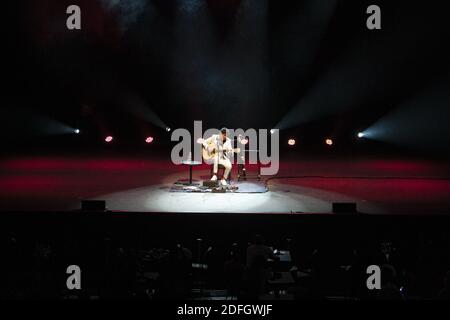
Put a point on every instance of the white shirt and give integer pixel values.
(215, 138)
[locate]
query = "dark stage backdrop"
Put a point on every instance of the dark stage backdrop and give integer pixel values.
(138, 66)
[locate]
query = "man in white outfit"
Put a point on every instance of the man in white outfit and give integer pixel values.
(223, 156)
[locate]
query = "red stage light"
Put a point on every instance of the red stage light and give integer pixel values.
(291, 142)
(244, 141)
(149, 140)
(329, 142)
(109, 139)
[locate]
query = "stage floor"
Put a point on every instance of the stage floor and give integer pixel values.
(303, 185)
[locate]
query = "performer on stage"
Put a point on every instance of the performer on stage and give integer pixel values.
(220, 149)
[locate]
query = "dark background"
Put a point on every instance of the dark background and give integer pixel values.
(310, 68)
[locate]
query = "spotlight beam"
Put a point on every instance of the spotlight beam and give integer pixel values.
(420, 123)
(135, 105)
(349, 83)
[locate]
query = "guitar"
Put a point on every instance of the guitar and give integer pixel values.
(209, 156)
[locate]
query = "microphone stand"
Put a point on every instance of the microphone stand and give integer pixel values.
(218, 158)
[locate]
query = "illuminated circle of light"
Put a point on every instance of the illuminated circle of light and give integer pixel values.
(109, 139)
(149, 140)
(168, 129)
(360, 135)
(291, 142)
(329, 141)
(77, 131)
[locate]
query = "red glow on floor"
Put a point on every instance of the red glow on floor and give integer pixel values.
(35, 183)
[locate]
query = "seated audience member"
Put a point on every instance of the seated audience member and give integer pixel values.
(258, 272)
(445, 291)
(175, 271)
(234, 273)
(389, 289)
(258, 248)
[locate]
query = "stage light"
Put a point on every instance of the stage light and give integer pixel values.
(168, 129)
(272, 131)
(149, 140)
(109, 139)
(329, 141)
(76, 131)
(360, 135)
(291, 142)
(244, 141)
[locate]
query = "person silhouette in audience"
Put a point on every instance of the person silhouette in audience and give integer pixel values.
(389, 289)
(444, 293)
(258, 248)
(259, 272)
(175, 273)
(234, 271)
